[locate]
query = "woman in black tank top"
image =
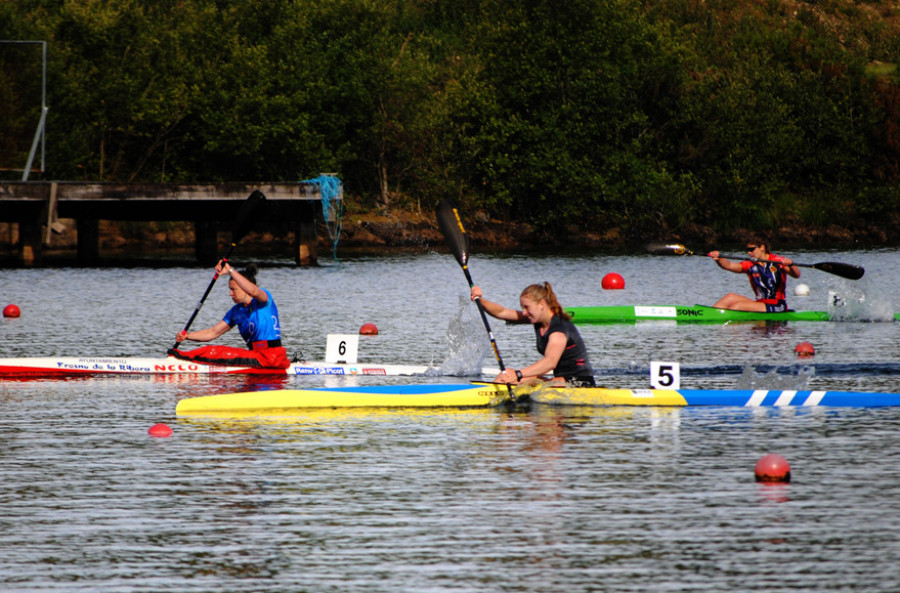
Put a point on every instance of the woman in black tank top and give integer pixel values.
(558, 341)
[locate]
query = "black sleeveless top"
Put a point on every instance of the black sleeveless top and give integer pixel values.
(574, 360)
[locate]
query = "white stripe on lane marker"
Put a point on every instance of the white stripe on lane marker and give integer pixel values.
(756, 399)
(815, 397)
(785, 398)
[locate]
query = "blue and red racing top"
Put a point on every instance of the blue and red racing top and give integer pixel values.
(257, 322)
(767, 279)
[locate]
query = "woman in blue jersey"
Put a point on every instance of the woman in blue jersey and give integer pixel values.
(768, 278)
(256, 317)
(560, 344)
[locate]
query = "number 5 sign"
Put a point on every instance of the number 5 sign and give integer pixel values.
(665, 375)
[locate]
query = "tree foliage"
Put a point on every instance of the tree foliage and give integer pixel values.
(647, 117)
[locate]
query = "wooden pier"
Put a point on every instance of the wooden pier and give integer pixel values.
(37, 206)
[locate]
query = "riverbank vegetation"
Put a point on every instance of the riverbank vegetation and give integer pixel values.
(628, 119)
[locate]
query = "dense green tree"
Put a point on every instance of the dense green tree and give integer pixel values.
(564, 117)
(648, 117)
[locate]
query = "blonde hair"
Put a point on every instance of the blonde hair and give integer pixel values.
(544, 292)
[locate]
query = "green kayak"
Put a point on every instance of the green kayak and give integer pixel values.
(686, 314)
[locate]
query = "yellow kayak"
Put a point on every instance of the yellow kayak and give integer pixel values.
(467, 395)
(485, 395)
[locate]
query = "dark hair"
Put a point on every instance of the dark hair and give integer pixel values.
(250, 273)
(760, 241)
(544, 292)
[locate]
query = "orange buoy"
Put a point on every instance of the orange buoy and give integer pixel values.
(612, 281)
(805, 350)
(773, 468)
(160, 430)
(11, 311)
(368, 329)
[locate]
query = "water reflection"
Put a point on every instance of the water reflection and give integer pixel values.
(774, 492)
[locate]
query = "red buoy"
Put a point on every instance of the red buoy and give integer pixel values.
(805, 350)
(612, 281)
(773, 468)
(160, 430)
(11, 311)
(368, 329)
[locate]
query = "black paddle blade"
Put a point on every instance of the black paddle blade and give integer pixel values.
(453, 230)
(667, 249)
(848, 271)
(251, 211)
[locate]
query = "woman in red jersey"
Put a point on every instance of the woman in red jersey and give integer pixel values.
(767, 273)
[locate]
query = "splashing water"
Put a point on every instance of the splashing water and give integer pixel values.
(467, 344)
(773, 380)
(855, 304)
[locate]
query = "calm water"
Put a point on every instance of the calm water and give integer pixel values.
(546, 500)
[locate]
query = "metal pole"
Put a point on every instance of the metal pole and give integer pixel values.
(38, 134)
(43, 104)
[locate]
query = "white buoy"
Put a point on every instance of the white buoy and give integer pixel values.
(801, 290)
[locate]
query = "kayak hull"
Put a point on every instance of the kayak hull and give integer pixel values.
(68, 366)
(476, 394)
(683, 314)
(468, 395)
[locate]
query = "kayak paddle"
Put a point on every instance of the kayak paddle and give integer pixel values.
(849, 271)
(458, 241)
(249, 214)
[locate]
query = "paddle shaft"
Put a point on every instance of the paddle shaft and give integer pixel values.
(484, 319)
(247, 216)
(457, 240)
(848, 271)
(205, 294)
(757, 260)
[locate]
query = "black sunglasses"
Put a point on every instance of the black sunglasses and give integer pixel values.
(751, 248)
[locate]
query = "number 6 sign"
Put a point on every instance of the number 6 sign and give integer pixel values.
(341, 348)
(665, 375)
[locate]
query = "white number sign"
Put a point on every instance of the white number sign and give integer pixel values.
(665, 375)
(341, 348)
